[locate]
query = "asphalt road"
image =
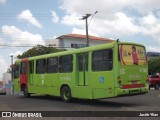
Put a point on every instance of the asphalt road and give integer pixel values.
(146, 102)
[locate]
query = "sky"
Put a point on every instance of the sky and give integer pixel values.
(32, 22)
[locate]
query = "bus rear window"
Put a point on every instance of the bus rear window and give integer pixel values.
(132, 55)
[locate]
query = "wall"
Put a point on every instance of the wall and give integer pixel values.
(7, 83)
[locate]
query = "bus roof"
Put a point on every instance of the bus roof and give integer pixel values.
(86, 49)
(132, 43)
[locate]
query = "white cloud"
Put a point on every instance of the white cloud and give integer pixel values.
(115, 18)
(2, 41)
(108, 6)
(120, 24)
(54, 37)
(151, 26)
(73, 20)
(78, 31)
(150, 20)
(22, 37)
(83, 31)
(27, 16)
(3, 66)
(153, 48)
(55, 18)
(2, 1)
(16, 53)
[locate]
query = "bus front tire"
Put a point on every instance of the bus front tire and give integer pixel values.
(66, 94)
(25, 91)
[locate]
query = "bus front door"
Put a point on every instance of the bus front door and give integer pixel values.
(82, 69)
(24, 74)
(31, 73)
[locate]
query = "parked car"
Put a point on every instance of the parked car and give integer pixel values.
(154, 81)
(2, 90)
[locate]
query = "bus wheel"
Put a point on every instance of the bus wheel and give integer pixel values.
(66, 94)
(25, 91)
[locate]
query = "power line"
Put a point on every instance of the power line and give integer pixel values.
(29, 45)
(6, 15)
(37, 14)
(16, 45)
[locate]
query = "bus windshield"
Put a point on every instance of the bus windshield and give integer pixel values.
(132, 54)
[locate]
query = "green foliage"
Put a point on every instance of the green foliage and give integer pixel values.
(39, 50)
(154, 65)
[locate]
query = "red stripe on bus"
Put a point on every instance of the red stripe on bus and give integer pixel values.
(24, 60)
(133, 86)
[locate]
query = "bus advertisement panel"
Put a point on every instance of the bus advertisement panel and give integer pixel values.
(132, 55)
(133, 68)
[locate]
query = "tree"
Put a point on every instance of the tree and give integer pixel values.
(39, 50)
(154, 65)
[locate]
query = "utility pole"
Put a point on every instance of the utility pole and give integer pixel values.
(86, 18)
(12, 83)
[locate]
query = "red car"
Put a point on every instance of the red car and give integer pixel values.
(154, 81)
(2, 90)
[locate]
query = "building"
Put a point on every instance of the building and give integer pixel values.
(70, 41)
(153, 54)
(52, 43)
(6, 78)
(7, 82)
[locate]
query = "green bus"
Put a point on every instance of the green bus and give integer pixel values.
(102, 71)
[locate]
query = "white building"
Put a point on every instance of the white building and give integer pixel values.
(6, 78)
(52, 42)
(7, 82)
(69, 41)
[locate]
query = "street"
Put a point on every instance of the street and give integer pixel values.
(146, 102)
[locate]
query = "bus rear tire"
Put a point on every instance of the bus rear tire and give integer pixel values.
(66, 94)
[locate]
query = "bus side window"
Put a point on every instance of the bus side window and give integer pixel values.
(40, 66)
(52, 65)
(65, 63)
(23, 68)
(31, 67)
(16, 71)
(102, 60)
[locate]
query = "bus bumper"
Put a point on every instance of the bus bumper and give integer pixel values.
(131, 91)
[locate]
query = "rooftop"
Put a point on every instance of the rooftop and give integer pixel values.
(84, 37)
